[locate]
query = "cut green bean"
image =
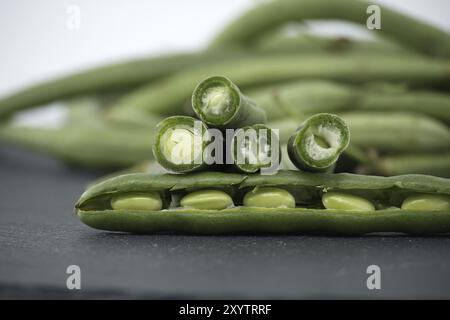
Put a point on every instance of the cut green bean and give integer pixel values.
(250, 215)
(180, 144)
(255, 148)
(426, 202)
(344, 201)
(207, 200)
(169, 96)
(137, 201)
(219, 103)
(245, 30)
(318, 142)
(269, 197)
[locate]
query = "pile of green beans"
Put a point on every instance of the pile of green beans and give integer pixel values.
(128, 75)
(386, 116)
(287, 202)
(389, 143)
(392, 92)
(114, 78)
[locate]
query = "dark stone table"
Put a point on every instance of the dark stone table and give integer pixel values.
(40, 236)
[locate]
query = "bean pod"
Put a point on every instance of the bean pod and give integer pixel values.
(324, 203)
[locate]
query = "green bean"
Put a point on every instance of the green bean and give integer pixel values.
(433, 164)
(399, 132)
(180, 144)
(127, 75)
(302, 98)
(318, 142)
(86, 110)
(311, 43)
(343, 201)
(269, 197)
(405, 30)
(207, 200)
(102, 79)
(386, 193)
(111, 78)
(255, 148)
(103, 146)
(170, 95)
(218, 102)
(426, 202)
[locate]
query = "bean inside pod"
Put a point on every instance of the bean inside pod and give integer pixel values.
(288, 201)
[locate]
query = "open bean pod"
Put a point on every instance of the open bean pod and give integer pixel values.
(287, 202)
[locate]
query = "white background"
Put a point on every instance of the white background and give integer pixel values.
(38, 45)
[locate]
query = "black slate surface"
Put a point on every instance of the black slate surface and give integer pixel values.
(40, 236)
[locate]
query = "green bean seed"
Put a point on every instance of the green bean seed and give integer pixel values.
(344, 201)
(207, 199)
(137, 201)
(426, 202)
(269, 197)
